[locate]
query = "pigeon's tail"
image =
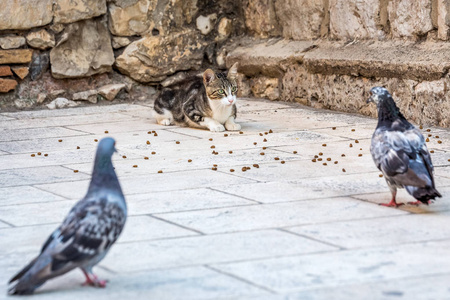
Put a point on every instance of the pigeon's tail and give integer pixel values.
(25, 282)
(423, 194)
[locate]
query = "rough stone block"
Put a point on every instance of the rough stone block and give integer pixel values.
(12, 42)
(260, 18)
(152, 58)
(5, 71)
(69, 11)
(410, 18)
(302, 19)
(90, 96)
(21, 72)
(120, 42)
(26, 14)
(18, 56)
(224, 29)
(110, 91)
(41, 39)
(443, 19)
(127, 19)
(354, 19)
(84, 50)
(7, 85)
(265, 87)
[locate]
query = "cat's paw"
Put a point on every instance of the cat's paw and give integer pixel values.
(217, 128)
(165, 122)
(232, 126)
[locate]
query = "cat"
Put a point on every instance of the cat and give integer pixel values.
(208, 102)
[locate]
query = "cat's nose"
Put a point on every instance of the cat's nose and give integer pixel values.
(230, 100)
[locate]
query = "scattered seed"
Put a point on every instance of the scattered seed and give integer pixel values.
(319, 159)
(149, 132)
(216, 153)
(448, 159)
(210, 139)
(270, 131)
(225, 134)
(437, 136)
(255, 143)
(212, 147)
(360, 155)
(265, 140)
(314, 160)
(75, 171)
(360, 149)
(160, 171)
(336, 162)
(153, 153)
(277, 158)
(328, 159)
(214, 168)
(266, 133)
(260, 134)
(421, 127)
(60, 141)
(324, 164)
(282, 161)
(231, 170)
(342, 155)
(356, 141)
(295, 152)
(264, 148)
(262, 153)
(316, 156)
(334, 128)
(439, 142)
(428, 130)
(189, 160)
(155, 134)
(124, 156)
(39, 153)
(78, 147)
(106, 131)
(243, 169)
(324, 145)
(353, 129)
(343, 170)
(427, 140)
(241, 132)
(177, 142)
(153, 131)
(33, 155)
(148, 142)
(230, 152)
(320, 153)
(431, 151)
(255, 166)
(350, 145)
(134, 166)
(380, 175)
(430, 135)
(45, 154)
(146, 157)
(214, 165)
(95, 140)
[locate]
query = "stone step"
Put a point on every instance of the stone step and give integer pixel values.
(338, 76)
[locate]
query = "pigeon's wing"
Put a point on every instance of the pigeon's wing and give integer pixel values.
(90, 228)
(393, 152)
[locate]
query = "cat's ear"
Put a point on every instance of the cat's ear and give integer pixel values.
(208, 76)
(232, 72)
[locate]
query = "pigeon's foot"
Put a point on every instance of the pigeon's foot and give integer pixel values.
(416, 203)
(93, 280)
(392, 204)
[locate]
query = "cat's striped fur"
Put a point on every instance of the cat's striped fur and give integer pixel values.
(208, 102)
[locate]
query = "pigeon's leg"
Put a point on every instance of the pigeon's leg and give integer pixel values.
(92, 279)
(416, 203)
(393, 203)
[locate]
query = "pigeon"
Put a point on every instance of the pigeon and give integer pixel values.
(86, 234)
(399, 151)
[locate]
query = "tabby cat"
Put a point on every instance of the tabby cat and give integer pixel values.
(208, 103)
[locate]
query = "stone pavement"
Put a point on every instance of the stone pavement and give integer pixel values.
(285, 228)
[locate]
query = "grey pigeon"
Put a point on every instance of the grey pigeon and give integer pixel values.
(86, 234)
(399, 151)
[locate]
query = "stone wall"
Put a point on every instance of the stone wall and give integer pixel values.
(323, 53)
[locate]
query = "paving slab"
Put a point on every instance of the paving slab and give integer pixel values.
(293, 230)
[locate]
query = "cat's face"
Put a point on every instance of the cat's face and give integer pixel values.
(220, 87)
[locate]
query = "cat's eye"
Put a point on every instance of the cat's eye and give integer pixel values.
(221, 91)
(234, 89)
